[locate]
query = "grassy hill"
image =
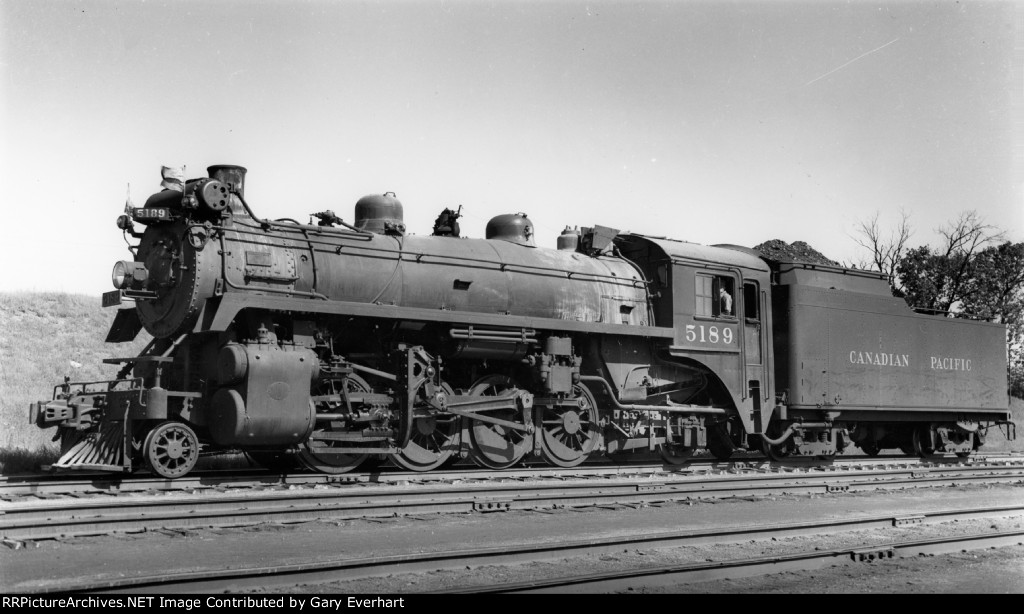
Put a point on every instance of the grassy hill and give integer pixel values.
(45, 336)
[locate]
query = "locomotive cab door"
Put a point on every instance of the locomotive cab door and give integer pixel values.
(753, 332)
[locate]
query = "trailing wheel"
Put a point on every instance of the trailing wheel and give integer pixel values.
(569, 434)
(328, 456)
(674, 453)
(171, 449)
(434, 439)
(494, 446)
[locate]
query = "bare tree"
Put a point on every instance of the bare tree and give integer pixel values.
(886, 253)
(964, 238)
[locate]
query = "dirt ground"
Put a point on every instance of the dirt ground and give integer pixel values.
(991, 571)
(54, 564)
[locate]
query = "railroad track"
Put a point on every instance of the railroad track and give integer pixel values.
(277, 576)
(55, 518)
(44, 485)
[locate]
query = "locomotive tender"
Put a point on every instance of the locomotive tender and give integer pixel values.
(342, 346)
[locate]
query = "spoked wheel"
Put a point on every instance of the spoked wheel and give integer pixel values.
(569, 434)
(328, 456)
(171, 449)
(674, 453)
(434, 439)
(491, 445)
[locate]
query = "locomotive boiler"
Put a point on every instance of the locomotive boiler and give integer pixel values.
(339, 346)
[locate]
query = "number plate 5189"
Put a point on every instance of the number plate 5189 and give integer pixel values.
(152, 214)
(700, 333)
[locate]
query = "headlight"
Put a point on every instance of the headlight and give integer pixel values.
(128, 274)
(119, 276)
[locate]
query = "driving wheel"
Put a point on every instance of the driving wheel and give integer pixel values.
(328, 456)
(569, 434)
(434, 438)
(494, 446)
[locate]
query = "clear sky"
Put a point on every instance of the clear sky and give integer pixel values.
(713, 122)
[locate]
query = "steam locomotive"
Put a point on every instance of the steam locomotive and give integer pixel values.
(340, 346)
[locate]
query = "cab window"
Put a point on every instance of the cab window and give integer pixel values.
(750, 302)
(715, 296)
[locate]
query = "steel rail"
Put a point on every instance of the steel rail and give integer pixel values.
(87, 482)
(240, 578)
(90, 482)
(58, 518)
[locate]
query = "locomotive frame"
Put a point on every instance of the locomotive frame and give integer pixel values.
(340, 346)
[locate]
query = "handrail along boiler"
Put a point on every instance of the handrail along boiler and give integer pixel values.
(344, 345)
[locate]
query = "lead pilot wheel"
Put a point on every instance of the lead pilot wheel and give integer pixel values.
(171, 449)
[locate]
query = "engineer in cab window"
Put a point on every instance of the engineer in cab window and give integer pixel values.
(724, 301)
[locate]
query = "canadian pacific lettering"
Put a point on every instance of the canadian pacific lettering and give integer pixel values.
(948, 363)
(880, 359)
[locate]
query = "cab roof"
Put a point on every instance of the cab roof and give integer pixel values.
(683, 251)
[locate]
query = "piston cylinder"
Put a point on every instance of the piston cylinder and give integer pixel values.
(269, 401)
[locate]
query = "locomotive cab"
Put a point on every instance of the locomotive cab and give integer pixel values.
(715, 299)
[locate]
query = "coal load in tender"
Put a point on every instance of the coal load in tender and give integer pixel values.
(798, 251)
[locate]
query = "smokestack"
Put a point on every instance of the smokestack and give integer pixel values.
(232, 175)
